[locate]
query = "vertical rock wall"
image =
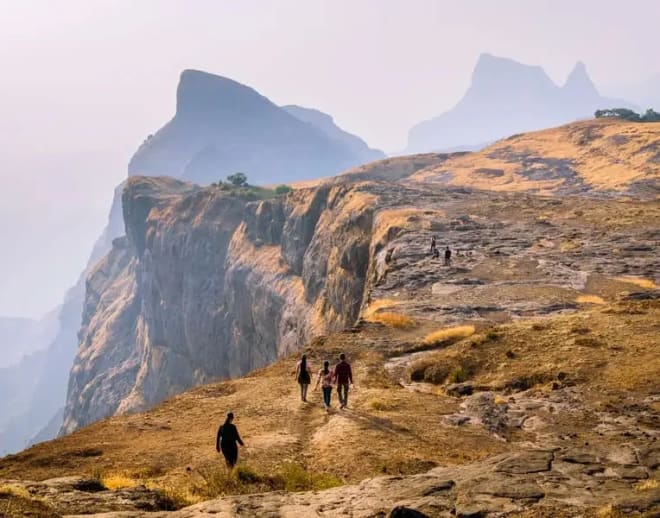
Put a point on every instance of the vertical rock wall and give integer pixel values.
(206, 286)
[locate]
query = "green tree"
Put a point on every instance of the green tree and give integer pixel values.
(237, 179)
(283, 189)
(651, 116)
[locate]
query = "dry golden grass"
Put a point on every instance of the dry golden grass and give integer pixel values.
(377, 305)
(567, 246)
(381, 405)
(500, 400)
(638, 281)
(646, 485)
(12, 490)
(589, 299)
(115, 481)
(448, 334)
(395, 320)
(589, 146)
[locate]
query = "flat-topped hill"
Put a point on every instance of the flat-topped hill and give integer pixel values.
(594, 156)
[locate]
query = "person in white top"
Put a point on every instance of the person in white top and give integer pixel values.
(325, 378)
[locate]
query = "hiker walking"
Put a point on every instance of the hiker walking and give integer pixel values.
(303, 377)
(433, 247)
(226, 441)
(447, 256)
(343, 377)
(325, 380)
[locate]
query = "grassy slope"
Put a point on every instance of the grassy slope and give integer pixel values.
(605, 155)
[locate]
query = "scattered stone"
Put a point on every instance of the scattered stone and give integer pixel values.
(90, 485)
(579, 457)
(639, 502)
(406, 512)
(533, 461)
(459, 389)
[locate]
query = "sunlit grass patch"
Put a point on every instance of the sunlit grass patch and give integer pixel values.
(646, 485)
(567, 245)
(290, 476)
(639, 281)
(179, 493)
(296, 478)
(589, 299)
(396, 320)
(115, 481)
(13, 490)
(448, 334)
(377, 305)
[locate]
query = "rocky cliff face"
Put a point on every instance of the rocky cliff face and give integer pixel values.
(206, 285)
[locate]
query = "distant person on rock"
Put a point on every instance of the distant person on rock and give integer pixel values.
(227, 439)
(303, 377)
(447, 256)
(343, 376)
(325, 380)
(436, 253)
(433, 246)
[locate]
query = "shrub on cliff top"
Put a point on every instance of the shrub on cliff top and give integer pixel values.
(237, 179)
(283, 189)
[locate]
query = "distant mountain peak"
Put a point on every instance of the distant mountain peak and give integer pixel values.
(491, 68)
(579, 81)
(222, 126)
(508, 97)
(203, 94)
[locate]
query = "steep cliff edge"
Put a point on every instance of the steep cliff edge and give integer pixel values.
(208, 285)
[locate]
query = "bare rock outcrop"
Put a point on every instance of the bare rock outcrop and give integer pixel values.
(207, 285)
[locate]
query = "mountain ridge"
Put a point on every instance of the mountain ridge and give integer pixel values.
(507, 97)
(221, 126)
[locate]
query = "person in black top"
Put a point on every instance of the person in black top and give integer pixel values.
(303, 377)
(447, 256)
(226, 441)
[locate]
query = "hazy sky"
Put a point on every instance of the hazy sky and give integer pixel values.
(84, 81)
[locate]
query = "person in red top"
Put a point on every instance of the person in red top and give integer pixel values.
(343, 377)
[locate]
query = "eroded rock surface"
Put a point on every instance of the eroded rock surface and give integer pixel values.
(541, 482)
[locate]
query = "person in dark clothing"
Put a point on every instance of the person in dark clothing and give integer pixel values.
(436, 253)
(226, 441)
(447, 256)
(344, 377)
(433, 247)
(303, 377)
(325, 380)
